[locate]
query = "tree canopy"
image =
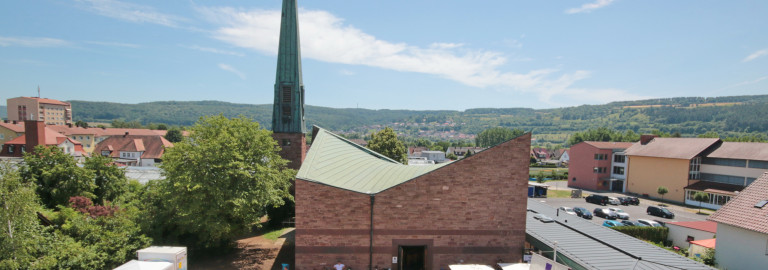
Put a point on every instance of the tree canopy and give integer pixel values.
(220, 182)
(496, 135)
(603, 134)
(385, 142)
(174, 135)
(56, 176)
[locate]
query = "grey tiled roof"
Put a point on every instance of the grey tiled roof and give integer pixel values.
(741, 211)
(609, 249)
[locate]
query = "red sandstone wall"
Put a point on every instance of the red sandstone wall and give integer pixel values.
(472, 211)
(296, 151)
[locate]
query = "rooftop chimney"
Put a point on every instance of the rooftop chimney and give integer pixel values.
(34, 132)
(126, 134)
(645, 139)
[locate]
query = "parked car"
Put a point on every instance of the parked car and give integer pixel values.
(620, 213)
(633, 223)
(660, 212)
(629, 201)
(582, 212)
(567, 210)
(612, 223)
(598, 199)
(649, 223)
(613, 200)
(605, 213)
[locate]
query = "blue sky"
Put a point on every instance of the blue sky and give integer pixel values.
(391, 54)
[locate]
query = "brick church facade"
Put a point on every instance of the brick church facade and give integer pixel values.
(366, 212)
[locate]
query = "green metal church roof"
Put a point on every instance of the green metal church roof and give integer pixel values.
(337, 162)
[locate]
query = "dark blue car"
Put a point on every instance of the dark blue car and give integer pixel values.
(582, 212)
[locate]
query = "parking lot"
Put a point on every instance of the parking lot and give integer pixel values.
(635, 211)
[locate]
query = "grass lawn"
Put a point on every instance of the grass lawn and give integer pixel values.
(558, 193)
(546, 171)
(273, 235)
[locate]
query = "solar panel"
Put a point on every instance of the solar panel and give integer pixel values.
(760, 204)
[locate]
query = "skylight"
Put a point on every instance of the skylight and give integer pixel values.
(760, 204)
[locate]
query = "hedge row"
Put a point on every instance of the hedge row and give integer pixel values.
(653, 234)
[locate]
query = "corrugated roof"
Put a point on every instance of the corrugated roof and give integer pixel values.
(614, 250)
(335, 161)
(741, 150)
(707, 226)
(707, 243)
(678, 148)
(741, 211)
(610, 145)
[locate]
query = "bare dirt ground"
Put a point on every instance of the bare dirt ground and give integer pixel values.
(254, 253)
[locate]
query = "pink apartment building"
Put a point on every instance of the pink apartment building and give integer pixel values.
(598, 166)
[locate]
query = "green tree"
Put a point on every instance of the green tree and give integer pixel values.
(174, 135)
(20, 228)
(496, 135)
(220, 182)
(700, 197)
(162, 127)
(56, 176)
(451, 156)
(709, 134)
(662, 190)
(82, 124)
(110, 180)
(385, 142)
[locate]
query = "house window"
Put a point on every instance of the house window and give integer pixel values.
(694, 173)
(10, 149)
(105, 153)
(689, 239)
(23, 148)
(619, 158)
(601, 156)
(618, 170)
(599, 169)
(286, 142)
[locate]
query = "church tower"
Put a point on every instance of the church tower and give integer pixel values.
(288, 125)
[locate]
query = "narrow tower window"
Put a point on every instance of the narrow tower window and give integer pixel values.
(286, 94)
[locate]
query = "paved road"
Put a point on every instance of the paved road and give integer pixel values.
(635, 212)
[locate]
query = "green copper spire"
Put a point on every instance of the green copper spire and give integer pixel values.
(288, 109)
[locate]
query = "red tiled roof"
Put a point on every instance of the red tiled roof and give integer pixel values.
(610, 145)
(707, 226)
(49, 101)
(715, 187)
(131, 131)
(152, 145)
(18, 128)
(677, 148)
(51, 138)
(66, 130)
(741, 211)
(741, 150)
(707, 243)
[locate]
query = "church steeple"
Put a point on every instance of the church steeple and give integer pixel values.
(288, 107)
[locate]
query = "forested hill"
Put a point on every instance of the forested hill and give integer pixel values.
(688, 116)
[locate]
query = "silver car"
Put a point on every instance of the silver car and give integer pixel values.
(620, 213)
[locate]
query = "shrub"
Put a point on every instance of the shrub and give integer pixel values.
(653, 234)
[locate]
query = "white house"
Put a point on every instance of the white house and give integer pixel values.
(742, 228)
(681, 233)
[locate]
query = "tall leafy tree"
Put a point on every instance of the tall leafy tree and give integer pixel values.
(700, 197)
(496, 135)
(56, 176)
(174, 135)
(220, 182)
(110, 180)
(385, 142)
(662, 190)
(18, 223)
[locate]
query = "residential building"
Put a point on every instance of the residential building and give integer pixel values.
(598, 166)
(581, 244)
(462, 151)
(673, 163)
(50, 111)
(727, 170)
(10, 130)
(436, 156)
(681, 233)
(38, 134)
(689, 165)
(134, 150)
(87, 136)
(366, 210)
(699, 248)
(742, 228)
(562, 156)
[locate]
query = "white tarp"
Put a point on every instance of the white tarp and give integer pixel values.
(469, 267)
(539, 262)
(514, 266)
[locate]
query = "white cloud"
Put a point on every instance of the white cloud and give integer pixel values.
(746, 82)
(589, 7)
(212, 50)
(114, 44)
(327, 38)
(130, 12)
(756, 55)
(233, 70)
(346, 72)
(32, 42)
